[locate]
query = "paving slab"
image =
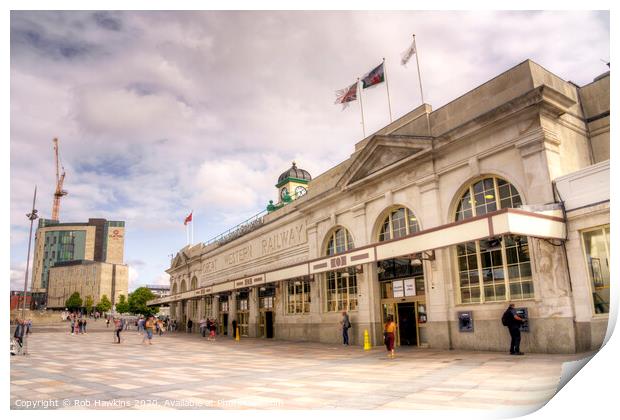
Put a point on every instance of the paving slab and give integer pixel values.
(185, 371)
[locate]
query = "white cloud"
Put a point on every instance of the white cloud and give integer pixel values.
(162, 112)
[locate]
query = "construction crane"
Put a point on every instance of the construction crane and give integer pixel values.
(60, 179)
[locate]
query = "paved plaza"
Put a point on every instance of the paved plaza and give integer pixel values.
(182, 371)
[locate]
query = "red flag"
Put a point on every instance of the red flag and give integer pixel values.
(188, 219)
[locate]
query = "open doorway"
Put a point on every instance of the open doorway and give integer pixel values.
(407, 328)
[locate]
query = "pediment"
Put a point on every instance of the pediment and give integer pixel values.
(179, 260)
(384, 153)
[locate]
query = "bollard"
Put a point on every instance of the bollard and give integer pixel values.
(237, 334)
(366, 340)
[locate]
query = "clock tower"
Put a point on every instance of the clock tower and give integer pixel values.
(292, 184)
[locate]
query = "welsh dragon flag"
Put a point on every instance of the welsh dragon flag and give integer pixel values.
(375, 76)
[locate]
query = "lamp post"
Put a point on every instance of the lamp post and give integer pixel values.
(32, 216)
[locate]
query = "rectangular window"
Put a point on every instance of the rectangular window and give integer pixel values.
(596, 249)
(341, 291)
(469, 281)
(494, 270)
(298, 297)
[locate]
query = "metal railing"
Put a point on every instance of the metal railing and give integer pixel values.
(249, 224)
(239, 230)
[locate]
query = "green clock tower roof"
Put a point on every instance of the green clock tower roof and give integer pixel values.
(294, 173)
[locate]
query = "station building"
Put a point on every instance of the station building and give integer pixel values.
(79, 257)
(439, 219)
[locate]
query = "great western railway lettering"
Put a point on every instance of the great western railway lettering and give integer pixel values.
(239, 256)
(283, 239)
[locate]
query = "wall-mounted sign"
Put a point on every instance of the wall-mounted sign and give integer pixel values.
(397, 288)
(410, 287)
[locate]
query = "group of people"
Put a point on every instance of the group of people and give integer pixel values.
(205, 325)
(148, 326)
(208, 325)
(77, 323)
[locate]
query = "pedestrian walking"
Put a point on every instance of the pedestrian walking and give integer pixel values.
(20, 330)
(107, 322)
(28, 326)
(203, 326)
(84, 326)
(389, 335)
(189, 326)
(211, 328)
(346, 324)
(118, 327)
(513, 322)
(148, 329)
(234, 325)
(76, 326)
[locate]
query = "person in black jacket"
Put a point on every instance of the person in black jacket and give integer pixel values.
(513, 322)
(189, 326)
(20, 330)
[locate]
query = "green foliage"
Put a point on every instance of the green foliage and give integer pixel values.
(88, 304)
(138, 299)
(74, 302)
(104, 304)
(122, 306)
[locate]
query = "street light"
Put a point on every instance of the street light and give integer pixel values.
(32, 216)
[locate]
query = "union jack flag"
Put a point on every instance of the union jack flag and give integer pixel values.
(346, 95)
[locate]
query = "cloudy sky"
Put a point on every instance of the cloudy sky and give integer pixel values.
(162, 112)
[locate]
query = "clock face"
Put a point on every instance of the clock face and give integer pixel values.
(300, 191)
(283, 192)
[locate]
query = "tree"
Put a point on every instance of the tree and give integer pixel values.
(122, 306)
(74, 302)
(138, 299)
(104, 304)
(88, 304)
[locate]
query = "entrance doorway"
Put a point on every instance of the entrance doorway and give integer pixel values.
(268, 324)
(224, 324)
(408, 334)
(410, 319)
(266, 296)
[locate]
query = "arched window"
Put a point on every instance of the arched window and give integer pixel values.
(174, 289)
(183, 286)
(487, 195)
(340, 286)
(398, 223)
(194, 283)
(493, 269)
(339, 241)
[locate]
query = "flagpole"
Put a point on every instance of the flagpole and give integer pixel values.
(192, 227)
(417, 62)
(361, 107)
(388, 89)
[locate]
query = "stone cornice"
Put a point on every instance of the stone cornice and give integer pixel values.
(537, 140)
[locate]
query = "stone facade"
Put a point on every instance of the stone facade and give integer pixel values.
(525, 127)
(89, 278)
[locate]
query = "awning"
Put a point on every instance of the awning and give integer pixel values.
(548, 225)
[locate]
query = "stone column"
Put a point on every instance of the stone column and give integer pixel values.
(253, 317)
(437, 273)
(232, 313)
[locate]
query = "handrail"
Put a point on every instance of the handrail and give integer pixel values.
(241, 229)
